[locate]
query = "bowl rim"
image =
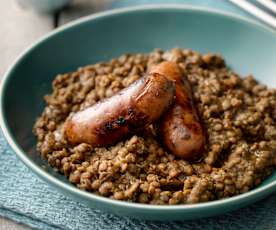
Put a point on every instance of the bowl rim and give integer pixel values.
(270, 187)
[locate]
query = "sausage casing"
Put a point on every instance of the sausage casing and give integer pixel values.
(129, 111)
(180, 128)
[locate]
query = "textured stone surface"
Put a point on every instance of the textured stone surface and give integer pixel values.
(6, 224)
(19, 29)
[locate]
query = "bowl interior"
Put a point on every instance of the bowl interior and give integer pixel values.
(246, 47)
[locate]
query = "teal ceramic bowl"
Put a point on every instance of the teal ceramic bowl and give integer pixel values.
(248, 48)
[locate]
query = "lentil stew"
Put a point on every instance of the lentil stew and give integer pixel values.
(238, 115)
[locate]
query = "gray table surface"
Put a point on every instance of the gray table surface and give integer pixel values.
(19, 28)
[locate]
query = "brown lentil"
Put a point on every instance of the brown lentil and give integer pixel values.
(238, 114)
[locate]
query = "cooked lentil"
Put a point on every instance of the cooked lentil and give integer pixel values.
(239, 116)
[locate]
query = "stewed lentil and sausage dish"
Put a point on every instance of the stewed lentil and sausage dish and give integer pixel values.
(140, 162)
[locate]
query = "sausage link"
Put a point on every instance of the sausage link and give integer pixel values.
(127, 112)
(180, 128)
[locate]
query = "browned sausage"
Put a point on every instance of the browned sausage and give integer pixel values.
(180, 128)
(129, 111)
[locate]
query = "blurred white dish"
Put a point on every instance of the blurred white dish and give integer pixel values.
(43, 6)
